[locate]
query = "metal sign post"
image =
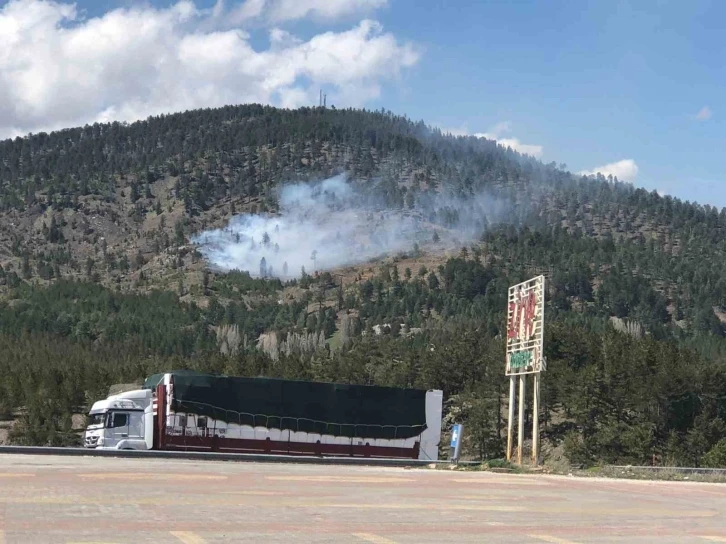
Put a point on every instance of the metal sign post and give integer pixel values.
(456, 432)
(535, 420)
(520, 423)
(525, 355)
(510, 421)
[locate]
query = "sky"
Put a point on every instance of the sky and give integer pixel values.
(629, 88)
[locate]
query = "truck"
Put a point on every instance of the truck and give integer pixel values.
(193, 411)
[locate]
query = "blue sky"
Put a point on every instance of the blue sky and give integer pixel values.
(586, 83)
(592, 82)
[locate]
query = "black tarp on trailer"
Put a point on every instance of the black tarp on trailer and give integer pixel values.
(324, 408)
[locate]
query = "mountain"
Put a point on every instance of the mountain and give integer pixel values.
(104, 279)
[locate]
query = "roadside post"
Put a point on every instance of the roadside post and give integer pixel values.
(456, 432)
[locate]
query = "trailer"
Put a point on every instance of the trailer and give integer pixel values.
(193, 411)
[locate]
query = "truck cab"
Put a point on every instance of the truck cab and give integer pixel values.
(123, 421)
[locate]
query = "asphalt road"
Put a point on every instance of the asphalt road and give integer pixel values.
(62, 500)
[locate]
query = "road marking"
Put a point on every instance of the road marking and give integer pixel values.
(714, 538)
(232, 500)
(435, 507)
(236, 500)
(44, 500)
(598, 511)
(129, 476)
(496, 481)
(341, 479)
(15, 475)
(717, 493)
(374, 539)
(256, 493)
(553, 539)
(2, 536)
(495, 498)
(291, 502)
(188, 538)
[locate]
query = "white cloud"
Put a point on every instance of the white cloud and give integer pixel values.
(285, 10)
(276, 11)
(516, 145)
(495, 133)
(244, 11)
(704, 114)
(59, 70)
(624, 170)
(461, 131)
(500, 128)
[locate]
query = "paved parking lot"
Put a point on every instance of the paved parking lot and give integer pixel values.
(63, 500)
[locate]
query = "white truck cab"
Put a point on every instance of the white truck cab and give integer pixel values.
(122, 422)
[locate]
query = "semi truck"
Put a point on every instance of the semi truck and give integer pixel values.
(193, 411)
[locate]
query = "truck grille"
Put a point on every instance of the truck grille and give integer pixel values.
(91, 441)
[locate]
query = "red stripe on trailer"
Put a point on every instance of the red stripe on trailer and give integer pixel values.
(243, 445)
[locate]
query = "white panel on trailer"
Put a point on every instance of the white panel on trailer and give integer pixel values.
(297, 436)
(246, 432)
(431, 437)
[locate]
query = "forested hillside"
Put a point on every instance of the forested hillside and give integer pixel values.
(101, 282)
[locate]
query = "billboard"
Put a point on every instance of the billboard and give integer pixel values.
(525, 327)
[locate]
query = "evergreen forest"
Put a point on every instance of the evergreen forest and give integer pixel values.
(101, 284)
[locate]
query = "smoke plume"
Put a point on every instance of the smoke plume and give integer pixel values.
(325, 225)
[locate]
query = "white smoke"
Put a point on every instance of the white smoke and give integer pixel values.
(329, 224)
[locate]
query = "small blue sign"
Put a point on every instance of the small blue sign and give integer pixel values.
(455, 434)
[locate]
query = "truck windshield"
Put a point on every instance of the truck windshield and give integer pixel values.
(96, 419)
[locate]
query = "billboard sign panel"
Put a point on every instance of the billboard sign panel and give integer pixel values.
(525, 327)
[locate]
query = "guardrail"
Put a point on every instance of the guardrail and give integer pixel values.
(683, 470)
(214, 456)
